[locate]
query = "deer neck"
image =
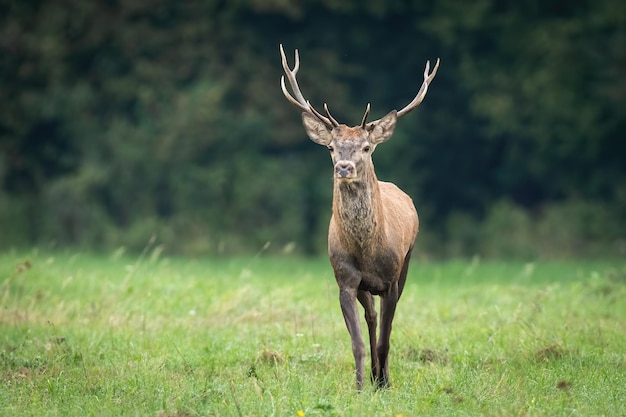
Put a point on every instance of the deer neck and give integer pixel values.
(357, 210)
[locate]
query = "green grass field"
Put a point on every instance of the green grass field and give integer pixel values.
(115, 336)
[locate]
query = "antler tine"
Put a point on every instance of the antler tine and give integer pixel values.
(419, 97)
(290, 97)
(299, 101)
(330, 117)
(367, 112)
(317, 114)
(291, 75)
(331, 121)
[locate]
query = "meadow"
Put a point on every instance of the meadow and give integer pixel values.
(113, 335)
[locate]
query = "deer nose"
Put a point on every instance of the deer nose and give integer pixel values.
(344, 169)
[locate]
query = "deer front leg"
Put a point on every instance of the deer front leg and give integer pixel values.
(387, 311)
(347, 299)
(367, 301)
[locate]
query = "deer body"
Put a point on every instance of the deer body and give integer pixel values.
(373, 234)
(372, 228)
(370, 256)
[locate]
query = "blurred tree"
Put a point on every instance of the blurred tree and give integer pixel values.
(126, 119)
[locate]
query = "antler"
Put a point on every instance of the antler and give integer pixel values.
(418, 98)
(299, 101)
(367, 113)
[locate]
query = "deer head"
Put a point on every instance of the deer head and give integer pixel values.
(350, 147)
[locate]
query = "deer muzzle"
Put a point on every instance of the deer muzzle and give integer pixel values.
(345, 169)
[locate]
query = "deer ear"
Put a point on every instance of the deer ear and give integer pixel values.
(316, 130)
(383, 129)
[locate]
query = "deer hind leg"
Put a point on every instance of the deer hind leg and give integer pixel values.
(367, 301)
(349, 308)
(404, 271)
(387, 310)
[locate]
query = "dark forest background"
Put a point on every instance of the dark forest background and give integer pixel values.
(124, 120)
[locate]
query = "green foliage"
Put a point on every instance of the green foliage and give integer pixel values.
(560, 230)
(152, 335)
(140, 118)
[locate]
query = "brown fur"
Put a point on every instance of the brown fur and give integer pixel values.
(373, 225)
(370, 237)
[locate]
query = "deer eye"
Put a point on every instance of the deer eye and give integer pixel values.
(330, 148)
(367, 148)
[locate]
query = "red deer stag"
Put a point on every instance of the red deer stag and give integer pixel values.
(373, 225)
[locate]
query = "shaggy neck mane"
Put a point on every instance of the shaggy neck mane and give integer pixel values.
(356, 207)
